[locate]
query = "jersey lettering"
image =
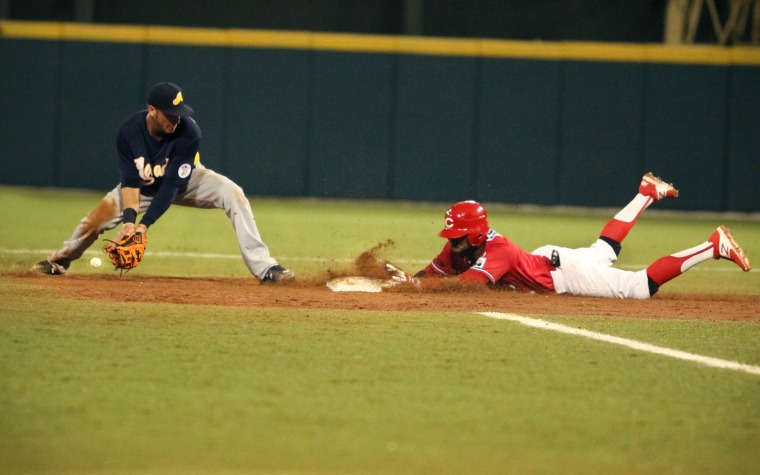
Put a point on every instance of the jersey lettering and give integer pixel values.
(148, 173)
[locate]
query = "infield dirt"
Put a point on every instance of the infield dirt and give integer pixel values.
(313, 293)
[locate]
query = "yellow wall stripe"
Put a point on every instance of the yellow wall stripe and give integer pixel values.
(237, 38)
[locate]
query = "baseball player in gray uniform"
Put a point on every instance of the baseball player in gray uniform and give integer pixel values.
(159, 164)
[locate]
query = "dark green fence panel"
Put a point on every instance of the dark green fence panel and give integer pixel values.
(742, 186)
(286, 122)
(601, 138)
(97, 93)
(268, 116)
(518, 129)
(29, 101)
(434, 128)
(351, 125)
(686, 126)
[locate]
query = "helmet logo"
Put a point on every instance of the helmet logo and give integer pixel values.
(449, 222)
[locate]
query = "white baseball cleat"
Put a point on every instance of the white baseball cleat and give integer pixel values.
(724, 247)
(656, 189)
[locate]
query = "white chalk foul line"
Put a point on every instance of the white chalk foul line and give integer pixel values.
(636, 345)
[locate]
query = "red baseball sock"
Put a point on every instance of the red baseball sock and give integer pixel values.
(670, 267)
(620, 225)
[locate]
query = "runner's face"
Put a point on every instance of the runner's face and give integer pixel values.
(459, 245)
(465, 252)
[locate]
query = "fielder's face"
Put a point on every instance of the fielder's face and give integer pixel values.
(161, 124)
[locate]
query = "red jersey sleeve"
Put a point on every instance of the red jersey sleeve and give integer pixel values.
(441, 265)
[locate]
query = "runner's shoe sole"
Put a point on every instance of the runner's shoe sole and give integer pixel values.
(656, 189)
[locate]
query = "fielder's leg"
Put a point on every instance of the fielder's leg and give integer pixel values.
(208, 189)
(105, 216)
(651, 189)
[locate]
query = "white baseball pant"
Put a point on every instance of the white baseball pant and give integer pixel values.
(588, 271)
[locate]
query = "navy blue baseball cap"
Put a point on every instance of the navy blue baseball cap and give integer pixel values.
(167, 97)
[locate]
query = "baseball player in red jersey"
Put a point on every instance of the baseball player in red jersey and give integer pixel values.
(476, 253)
(159, 165)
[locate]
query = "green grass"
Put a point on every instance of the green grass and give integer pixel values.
(99, 387)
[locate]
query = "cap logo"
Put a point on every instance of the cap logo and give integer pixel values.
(177, 99)
(449, 222)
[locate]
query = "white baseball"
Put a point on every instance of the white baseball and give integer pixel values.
(95, 262)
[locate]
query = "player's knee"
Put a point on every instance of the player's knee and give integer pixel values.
(616, 246)
(653, 286)
(233, 195)
(236, 193)
(239, 194)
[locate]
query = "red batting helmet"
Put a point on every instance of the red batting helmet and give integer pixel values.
(466, 218)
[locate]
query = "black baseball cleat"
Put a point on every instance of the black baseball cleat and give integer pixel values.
(49, 267)
(277, 274)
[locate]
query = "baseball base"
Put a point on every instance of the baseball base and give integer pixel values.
(357, 284)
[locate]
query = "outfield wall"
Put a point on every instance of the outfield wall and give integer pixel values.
(384, 117)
